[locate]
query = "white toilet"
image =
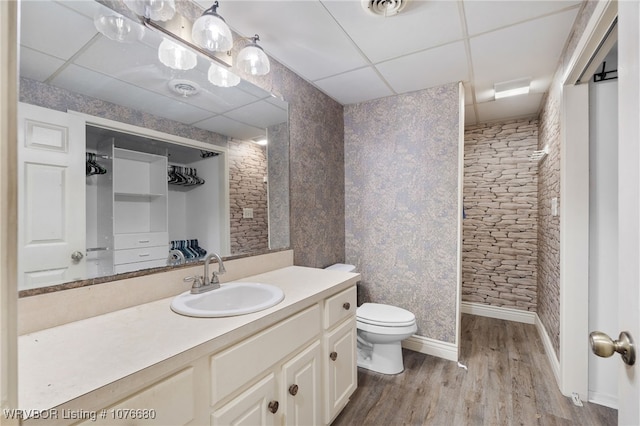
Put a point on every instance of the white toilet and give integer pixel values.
(381, 329)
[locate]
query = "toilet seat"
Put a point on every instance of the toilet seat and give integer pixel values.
(382, 315)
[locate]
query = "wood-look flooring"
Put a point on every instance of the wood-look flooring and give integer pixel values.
(509, 381)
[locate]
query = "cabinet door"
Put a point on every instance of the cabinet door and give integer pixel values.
(341, 371)
(302, 384)
(51, 197)
(258, 405)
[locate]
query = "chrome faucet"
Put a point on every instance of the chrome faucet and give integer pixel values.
(203, 284)
(214, 277)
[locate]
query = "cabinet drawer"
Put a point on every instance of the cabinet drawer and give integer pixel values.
(236, 366)
(136, 266)
(339, 307)
(140, 254)
(145, 239)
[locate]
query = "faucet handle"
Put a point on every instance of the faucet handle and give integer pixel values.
(197, 281)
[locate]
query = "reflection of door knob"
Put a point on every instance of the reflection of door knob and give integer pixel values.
(602, 345)
(77, 256)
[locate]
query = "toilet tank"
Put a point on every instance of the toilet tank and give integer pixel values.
(342, 267)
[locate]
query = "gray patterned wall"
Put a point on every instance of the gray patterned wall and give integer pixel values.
(402, 211)
(278, 164)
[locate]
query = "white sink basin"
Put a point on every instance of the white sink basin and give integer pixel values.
(236, 298)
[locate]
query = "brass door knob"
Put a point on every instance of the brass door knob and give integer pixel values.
(333, 356)
(293, 389)
(604, 346)
(346, 306)
(273, 406)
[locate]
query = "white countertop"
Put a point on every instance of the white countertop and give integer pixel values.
(65, 362)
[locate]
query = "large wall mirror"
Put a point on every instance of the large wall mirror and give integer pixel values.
(122, 159)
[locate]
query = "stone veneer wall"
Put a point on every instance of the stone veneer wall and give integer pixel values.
(403, 211)
(247, 189)
(549, 188)
(499, 250)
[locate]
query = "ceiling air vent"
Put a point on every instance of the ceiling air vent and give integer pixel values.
(184, 88)
(384, 7)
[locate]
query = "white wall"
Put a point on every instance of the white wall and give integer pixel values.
(603, 234)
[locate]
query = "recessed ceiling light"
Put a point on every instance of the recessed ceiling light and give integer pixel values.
(512, 88)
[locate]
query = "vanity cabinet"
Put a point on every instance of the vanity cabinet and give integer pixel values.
(139, 210)
(298, 371)
(339, 341)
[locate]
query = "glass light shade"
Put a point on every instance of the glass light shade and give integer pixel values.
(157, 10)
(253, 60)
(212, 33)
(221, 77)
(175, 56)
(118, 28)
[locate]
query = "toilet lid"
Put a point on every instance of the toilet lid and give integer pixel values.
(379, 314)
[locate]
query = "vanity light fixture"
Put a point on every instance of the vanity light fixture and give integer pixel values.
(211, 32)
(118, 28)
(209, 35)
(252, 59)
(222, 77)
(175, 56)
(158, 10)
(512, 88)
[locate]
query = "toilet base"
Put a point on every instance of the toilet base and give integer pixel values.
(385, 358)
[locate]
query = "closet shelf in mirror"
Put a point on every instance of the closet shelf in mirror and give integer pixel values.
(133, 196)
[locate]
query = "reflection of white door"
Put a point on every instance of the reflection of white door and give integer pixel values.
(629, 204)
(51, 200)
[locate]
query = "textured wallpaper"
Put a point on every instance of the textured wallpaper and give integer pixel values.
(402, 210)
(278, 164)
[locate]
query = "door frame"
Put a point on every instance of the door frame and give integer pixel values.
(8, 207)
(574, 205)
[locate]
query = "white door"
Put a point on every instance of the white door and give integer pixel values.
(51, 200)
(629, 203)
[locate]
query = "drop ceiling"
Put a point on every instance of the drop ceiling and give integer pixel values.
(354, 56)
(337, 46)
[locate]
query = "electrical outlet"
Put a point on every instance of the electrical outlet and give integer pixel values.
(247, 213)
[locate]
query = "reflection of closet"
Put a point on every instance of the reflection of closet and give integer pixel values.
(135, 209)
(139, 210)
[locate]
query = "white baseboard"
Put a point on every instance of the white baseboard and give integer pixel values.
(610, 401)
(548, 348)
(432, 347)
(508, 314)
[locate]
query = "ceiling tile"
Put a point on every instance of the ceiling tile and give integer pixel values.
(419, 26)
(67, 31)
(355, 86)
(429, 68)
(125, 61)
(260, 114)
(82, 80)
(531, 50)
(36, 65)
(232, 128)
(485, 16)
(300, 34)
(506, 108)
